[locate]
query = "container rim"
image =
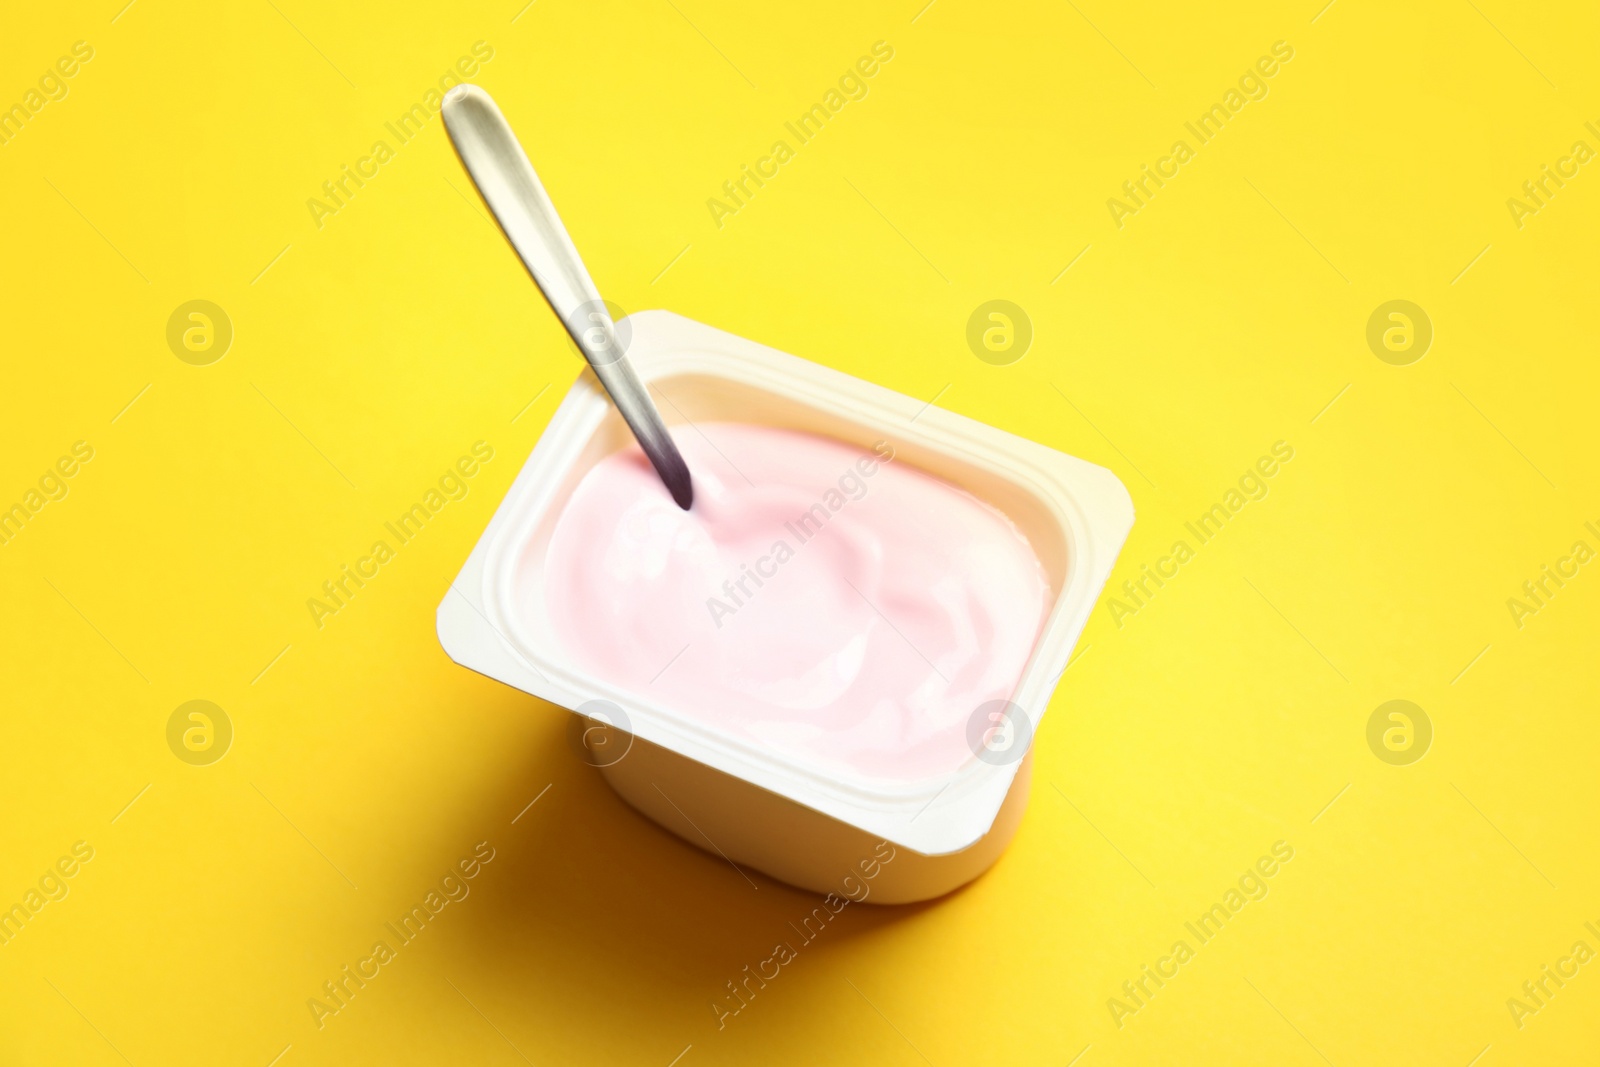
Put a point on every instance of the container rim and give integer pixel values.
(1088, 504)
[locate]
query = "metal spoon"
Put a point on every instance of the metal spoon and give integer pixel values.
(500, 169)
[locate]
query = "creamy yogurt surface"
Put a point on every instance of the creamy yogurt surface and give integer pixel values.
(821, 599)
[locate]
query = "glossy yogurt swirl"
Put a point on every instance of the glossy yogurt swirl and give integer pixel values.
(821, 599)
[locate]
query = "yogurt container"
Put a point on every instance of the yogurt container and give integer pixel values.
(770, 807)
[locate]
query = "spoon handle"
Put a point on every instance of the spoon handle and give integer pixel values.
(501, 171)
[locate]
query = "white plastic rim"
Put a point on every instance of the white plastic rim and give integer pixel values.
(1077, 514)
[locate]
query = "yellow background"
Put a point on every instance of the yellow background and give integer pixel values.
(1225, 716)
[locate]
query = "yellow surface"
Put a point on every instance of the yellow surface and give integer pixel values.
(1229, 713)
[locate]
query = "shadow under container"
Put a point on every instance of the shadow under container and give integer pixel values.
(756, 805)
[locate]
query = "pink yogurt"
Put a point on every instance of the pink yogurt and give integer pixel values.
(819, 599)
